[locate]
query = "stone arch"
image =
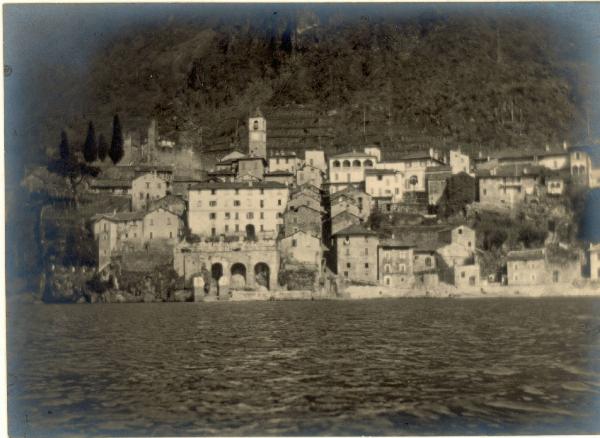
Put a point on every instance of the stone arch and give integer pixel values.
(368, 163)
(238, 275)
(575, 170)
(262, 274)
(356, 163)
(346, 163)
(336, 163)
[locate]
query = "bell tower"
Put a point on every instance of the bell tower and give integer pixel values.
(257, 135)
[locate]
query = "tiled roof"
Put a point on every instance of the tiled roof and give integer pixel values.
(511, 170)
(238, 185)
(279, 173)
(395, 243)
(111, 183)
(526, 254)
(123, 216)
(356, 230)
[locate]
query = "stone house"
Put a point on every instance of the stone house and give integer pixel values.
(585, 164)
(162, 171)
(356, 250)
(252, 166)
(425, 267)
(459, 162)
(509, 185)
(281, 177)
(309, 174)
(301, 247)
(146, 188)
(437, 180)
(284, 161)
(303, 214)
(306, 189)
(172, 203)
(348, 170)
(466, 275)
(413, 166)
(384, 184)
(342, 200)
(343, 220)
(395, 264)
(554, 182)
(117, 231)
(315, 158)
(526, 267)
(162, 225)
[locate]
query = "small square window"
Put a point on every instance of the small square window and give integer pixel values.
(347, 265)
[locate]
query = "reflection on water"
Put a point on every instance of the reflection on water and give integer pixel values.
(407, 366)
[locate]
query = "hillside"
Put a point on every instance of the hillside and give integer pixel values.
(486, 82)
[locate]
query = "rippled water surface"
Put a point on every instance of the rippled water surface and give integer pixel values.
(406, 366)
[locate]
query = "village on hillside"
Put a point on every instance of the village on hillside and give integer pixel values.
(362, 223)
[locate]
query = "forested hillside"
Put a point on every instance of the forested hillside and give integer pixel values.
(481, 81)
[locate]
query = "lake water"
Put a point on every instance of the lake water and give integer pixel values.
(404, 366)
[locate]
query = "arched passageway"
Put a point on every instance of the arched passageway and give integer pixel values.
(238, 276)
(262, 274)
(216, 272)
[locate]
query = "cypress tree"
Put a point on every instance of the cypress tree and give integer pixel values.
(102, 147)
(90, 148)
(116, 146)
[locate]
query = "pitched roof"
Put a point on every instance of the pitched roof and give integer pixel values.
(348, 191)
(153, 167)
(356, 230)
(381, 172)
(279, 173)
(111, 183)
(238, 185)
(123, 216)
(395, 243)
(526, 254)
(511, 170)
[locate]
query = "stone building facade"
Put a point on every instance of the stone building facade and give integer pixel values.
(356, 249)
(301, 247)
(395, 264)
(145, 189)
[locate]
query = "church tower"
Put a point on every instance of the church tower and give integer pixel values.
(257, 135)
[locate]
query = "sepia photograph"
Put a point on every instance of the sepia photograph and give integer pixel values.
(302, 219)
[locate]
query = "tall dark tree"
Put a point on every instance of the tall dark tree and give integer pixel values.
(102, 147)
(90, 148)
(116, 146)
(70, 167)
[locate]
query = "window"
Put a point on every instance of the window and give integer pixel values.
(212, 216)
(262, 191)
(379, 177)
(236, 203)
(237, 216)
(262, 215)
(237, 191)
(262, 203)
(213, 231)
(366, 251)
(170, 234)
(469, 244)
(346, 274)
(126, 236)
(387, 281)
(213, 192)
(348, 265)
(366, 266)
(212, 203)
(150, 234)
(462, 275)
(279, 202)
(460, 231)
(106, 229)
(237, 227)
(310, 161)
(428, 261)
(577, 155)
(147, 185)
(255, 125)
(294, 243)
(484, 192)
(227, 216)
(262, 227)
(250, 215)
(141, 196)
(226, 228)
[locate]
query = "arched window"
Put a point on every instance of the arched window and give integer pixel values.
(255, 125)
(346, 163)
(356, 163)
(402, 268)
(413, 180)
(368, 163)
(387, 269)
(336, 163)
(575, 170)
(581, 170)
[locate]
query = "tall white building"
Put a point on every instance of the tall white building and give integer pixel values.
(244, 209)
